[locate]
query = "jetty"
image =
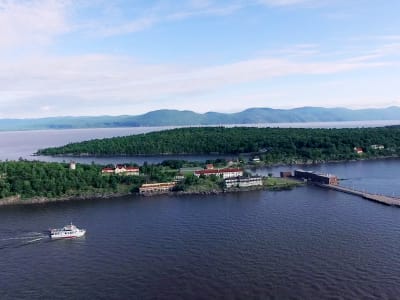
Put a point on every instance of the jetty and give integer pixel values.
(331, 182)
(372, 197)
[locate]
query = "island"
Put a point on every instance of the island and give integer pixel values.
(27, 182)
(267, 145)
(247, 147)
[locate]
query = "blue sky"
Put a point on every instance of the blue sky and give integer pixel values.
(98, 57)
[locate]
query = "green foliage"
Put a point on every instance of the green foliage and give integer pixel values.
(286, 145)
(31, 179)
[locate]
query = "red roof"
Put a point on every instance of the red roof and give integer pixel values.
(107, 170)
(132, 169)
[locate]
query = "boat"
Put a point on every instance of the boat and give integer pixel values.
(67, 232)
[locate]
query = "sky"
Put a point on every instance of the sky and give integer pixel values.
(120, 57)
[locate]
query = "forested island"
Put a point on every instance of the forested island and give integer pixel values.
(36, 182)
(271, 145)
(41, 182)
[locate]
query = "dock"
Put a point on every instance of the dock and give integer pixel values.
(393, 201)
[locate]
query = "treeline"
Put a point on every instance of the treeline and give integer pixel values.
(41, 179)
(273, 144)
(44, 179)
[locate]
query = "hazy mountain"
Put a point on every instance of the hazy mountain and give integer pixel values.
(179, 118)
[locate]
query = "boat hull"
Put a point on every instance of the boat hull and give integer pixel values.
(67, 235)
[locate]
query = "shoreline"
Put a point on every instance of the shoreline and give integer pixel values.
(16, 200)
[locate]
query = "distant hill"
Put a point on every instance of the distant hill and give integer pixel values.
(167, 117)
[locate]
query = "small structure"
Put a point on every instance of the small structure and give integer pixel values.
(243, 181)
(209, 166)
(156, 188)
(377, 147)
(286, 174)
(224, 173)
(358, 150)
(315, 177)
(72, 165)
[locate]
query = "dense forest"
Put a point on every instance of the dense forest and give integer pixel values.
(52, 180)
(270, 144)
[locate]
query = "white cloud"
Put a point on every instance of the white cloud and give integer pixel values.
(283, 2)
(30, 23)
(58, 85)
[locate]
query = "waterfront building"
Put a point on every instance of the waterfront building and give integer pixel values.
(285, 174)
(315, 177)
(156, 188)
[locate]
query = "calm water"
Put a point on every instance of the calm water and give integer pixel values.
(307, 243)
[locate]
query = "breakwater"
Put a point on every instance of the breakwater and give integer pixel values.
(372, 197)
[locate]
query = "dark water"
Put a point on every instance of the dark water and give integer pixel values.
(307, 243)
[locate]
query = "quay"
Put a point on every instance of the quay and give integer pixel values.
(372, 197)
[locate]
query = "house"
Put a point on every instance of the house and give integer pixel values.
(224, 173)
(121, 170)
(358, 150)
(209, 166)
(243, 181)
(156, 188)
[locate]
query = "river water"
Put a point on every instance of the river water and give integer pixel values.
(307, 243)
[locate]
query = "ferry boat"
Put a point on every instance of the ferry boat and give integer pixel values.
(67, 232)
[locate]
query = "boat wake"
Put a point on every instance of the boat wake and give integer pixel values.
(22, 239)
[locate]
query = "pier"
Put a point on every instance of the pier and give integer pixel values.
(372, 197)
(330, 181)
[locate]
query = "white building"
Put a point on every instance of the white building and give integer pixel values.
(243, 181)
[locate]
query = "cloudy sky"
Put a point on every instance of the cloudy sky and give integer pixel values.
(102, 57)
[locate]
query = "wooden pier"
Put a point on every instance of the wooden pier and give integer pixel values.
(372, 197)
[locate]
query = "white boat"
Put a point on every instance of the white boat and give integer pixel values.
(67, 232)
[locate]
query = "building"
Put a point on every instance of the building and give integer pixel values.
(377, 147)
(286, 174)
(121, 170)
(315, 177)
(72, 165)
(124, 170)
(107, 171)
(358, 150)
(243, 181)
(156, 188)
(224, 173)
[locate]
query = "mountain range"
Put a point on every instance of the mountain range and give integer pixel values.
(167, 117)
